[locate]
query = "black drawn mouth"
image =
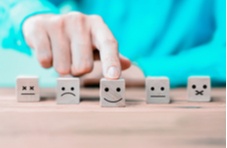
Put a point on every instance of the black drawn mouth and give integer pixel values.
(26, 94)
(68, 93)
(112, 101)
(199, 92)
(158, 96)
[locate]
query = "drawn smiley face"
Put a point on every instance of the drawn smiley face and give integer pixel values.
(68, 91)
(199, 88)
(112, 93)
(118, 90)
(157, 90)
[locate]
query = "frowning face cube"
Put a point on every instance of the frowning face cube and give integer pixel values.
(27, 89)
(157, 90)
(112, 93)
(199, 88)
(68, 91)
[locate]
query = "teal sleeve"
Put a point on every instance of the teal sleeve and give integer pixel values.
(208, 59)
(19, 11)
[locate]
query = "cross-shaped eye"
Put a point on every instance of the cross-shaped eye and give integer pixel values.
(31, 87)
(24, 88)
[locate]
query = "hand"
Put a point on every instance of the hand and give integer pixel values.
(133, 76)
(72, 42)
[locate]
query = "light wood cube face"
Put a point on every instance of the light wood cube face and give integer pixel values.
(68, 91)
(112, 93)
(157, 90)
(27, 89)
(199, 88)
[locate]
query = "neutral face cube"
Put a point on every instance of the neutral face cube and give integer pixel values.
(27, 89)
(157, 90)
(68, 91)
(199, 88)
(112, 93)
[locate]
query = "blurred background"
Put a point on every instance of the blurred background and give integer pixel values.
(159, 38)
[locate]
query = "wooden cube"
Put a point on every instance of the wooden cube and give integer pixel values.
(112, 93)
(68, 91)
(27, 89)
(199, 88)
(157, 90)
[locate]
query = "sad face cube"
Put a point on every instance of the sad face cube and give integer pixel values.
(199, 88)
(112, 93)
(68, 91)
(157, 90)
(27, 89)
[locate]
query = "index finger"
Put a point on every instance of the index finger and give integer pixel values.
(105, 42)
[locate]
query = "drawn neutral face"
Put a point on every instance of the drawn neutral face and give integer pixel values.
(112, 92)
(157, 90)
(27, 89)
(68, 91)
(199, 88)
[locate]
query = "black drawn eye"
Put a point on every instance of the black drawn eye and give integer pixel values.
(72, 88)
(24, 88)
(31, 87)
(106, 89)
(162, 88)
(63, 88)
(118, 89)
(152, 88)
(204, 86)
(194, 86)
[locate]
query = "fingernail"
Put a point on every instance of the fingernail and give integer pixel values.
(113, 72)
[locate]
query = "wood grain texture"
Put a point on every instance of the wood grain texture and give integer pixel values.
(180, 124)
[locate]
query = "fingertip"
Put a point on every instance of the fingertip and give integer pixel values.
(113, 73)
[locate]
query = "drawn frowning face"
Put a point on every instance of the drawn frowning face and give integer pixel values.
(68, 91)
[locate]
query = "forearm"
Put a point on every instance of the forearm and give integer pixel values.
(19, 11)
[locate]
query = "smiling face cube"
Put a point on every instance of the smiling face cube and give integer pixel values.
(157, 90)
(112, 93)
(27, 89)
(199, 88)
(68, 91)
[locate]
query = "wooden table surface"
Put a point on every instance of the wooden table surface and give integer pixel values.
(176, 125)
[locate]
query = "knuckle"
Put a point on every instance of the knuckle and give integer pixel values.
(86, 67)
(57, 22)
(111, 59)
(96, 18)
(61, 68)
(111, 42)
(45, 61)
(77, 17)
